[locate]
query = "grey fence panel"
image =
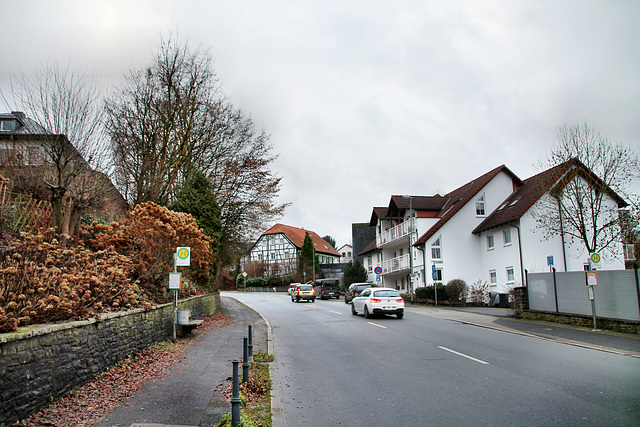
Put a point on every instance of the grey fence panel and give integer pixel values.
(573, 294)
(616, 295)
(541, 294)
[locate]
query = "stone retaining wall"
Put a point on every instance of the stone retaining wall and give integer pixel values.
(44, 363)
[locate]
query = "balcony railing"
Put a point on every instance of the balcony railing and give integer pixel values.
(396, 264)
(398, 232)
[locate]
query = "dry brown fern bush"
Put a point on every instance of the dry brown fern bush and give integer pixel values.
(149, 236)
(40, 282)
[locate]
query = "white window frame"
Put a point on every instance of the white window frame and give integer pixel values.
(437, 245)
(506, 235)
(493, 278)
(491, 242)
(481, 207)
(511, 272)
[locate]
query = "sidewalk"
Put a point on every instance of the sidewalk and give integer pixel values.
(498, 318)
(188, 395)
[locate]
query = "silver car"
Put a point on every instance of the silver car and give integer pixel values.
(378, 301)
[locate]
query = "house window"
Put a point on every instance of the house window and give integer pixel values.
(369, 263)
(507, 237)
(510, 275)
(9, 125)
(493, 278)
(437, 276)
(490, 242)
(436, 252)
(629, 254)
(480, 211)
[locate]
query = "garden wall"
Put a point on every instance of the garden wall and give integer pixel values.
(42, 364)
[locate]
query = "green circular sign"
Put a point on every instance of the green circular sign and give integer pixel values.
(183, 253)
(595, 258)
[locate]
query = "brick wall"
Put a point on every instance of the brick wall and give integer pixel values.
(45, 363)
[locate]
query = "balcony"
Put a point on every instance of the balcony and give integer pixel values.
(396, 233)
(397, 264)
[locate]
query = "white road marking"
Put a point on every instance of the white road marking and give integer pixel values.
(464, 355)
(375, 324)
(336, 312)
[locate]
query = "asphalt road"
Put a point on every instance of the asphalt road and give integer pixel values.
(335, 369)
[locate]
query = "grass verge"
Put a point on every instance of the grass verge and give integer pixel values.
(255, 395)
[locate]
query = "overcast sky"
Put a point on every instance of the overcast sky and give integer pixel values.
(365, 99)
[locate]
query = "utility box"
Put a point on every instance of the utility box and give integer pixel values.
(183, 317)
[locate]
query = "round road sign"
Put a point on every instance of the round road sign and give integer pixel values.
(378, 270)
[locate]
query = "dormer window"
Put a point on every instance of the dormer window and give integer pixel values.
(9, 125)
(480, 211)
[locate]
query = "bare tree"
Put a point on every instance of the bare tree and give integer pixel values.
(158, 120)
(238, 164)
(169, 120)
(73, 154)
(595, 180)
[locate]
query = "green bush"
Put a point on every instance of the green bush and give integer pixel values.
(255, 282)
(428, 292)
(274, 281)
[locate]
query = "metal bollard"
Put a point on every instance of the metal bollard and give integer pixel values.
(245, 361)
(251, 343)
(235, 397)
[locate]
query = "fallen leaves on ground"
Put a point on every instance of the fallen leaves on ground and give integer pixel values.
(86, 405)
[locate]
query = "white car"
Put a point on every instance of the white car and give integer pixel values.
(378, 301)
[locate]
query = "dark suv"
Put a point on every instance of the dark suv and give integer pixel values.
(354, 290)
(327, 288)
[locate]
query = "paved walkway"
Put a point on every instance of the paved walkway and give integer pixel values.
(189, 394)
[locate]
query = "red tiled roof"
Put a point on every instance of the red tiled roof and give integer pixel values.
(533, 188)
(296, 236)
(380, 213)
(419, 203)
(460, 196)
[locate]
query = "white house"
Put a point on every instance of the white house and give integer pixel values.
(346, 253)
(418, 231)
(484, 231)
(512, 240)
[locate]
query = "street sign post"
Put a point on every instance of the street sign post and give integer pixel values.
(181, 258)
(591, 282)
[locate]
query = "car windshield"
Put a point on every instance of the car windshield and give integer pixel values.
(305, 287)
(362, 287)
(386, 293)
